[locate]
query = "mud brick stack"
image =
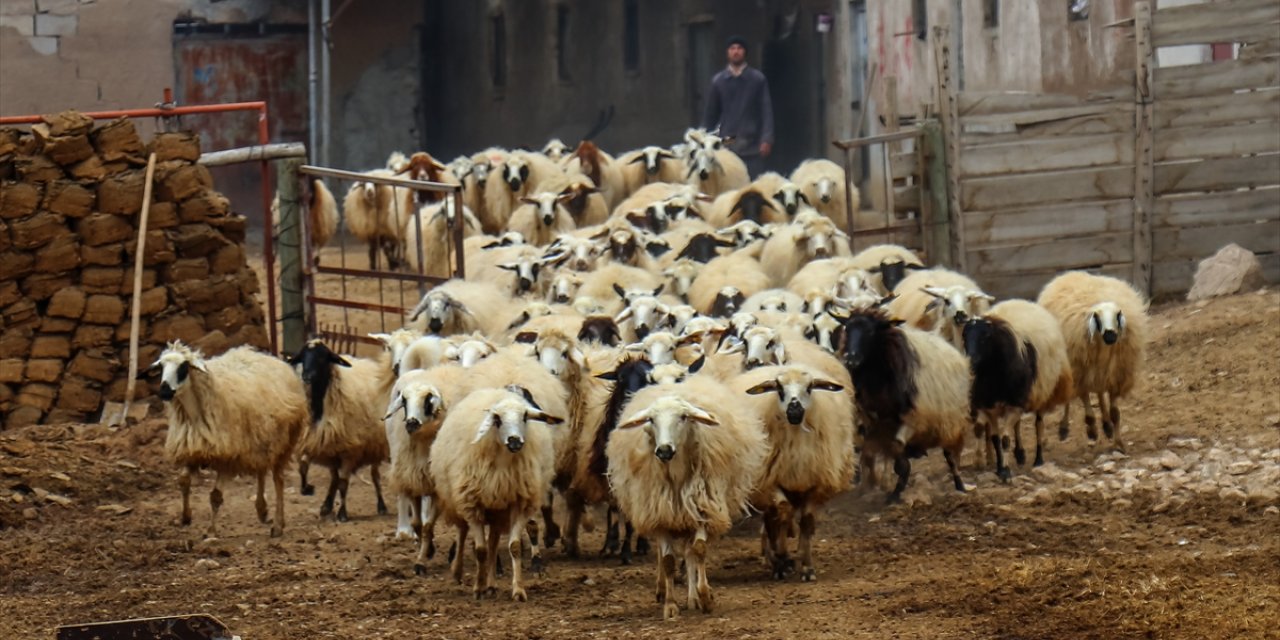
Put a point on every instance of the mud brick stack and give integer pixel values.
(70, 195)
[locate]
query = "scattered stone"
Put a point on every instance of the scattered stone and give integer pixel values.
(117, 509)
(1233, 494)
(1170, 460)
(1233, 269)
(206, 564)
(30, 513)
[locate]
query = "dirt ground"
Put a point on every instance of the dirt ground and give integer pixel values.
(1178, 539)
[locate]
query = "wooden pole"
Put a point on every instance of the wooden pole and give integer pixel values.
(135, 320)
(292, 310)
(1143, 157)
(888, 149)
(949, 114)
(936, 231)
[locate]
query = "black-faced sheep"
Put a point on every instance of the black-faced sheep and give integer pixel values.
(888, 264)
(1104, 323)
(239, 413)
(939, 300)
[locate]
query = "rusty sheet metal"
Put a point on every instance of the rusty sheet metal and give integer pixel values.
(212, 69)
(188, 627)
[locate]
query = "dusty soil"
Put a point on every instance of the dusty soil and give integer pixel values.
(1178, 539)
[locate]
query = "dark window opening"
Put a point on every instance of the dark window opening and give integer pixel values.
(1077, 9)
(991, 14)
(631, 35)
(498, 52)
(562, 42)
(920, 18)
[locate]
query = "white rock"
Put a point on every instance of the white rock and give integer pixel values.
(1170, 460)
(1242, 467)
(1233, 494)
(1232, 270)
(207, 564)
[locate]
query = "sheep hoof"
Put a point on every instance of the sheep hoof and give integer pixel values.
(1063, 432)
(808, 575)
(1108, 429)
(894, 498)
(326, 509)
(276, 531)
(552, 535)
(1091, 427)
(431, 549)
(405, 534)
(1020, 455)
(1039, 460)
(642, 546)
(491, 592)
(419, 569)
(625, 558)
(1004, 442)
(342, 514)
(184, 520)
(498, 570)
(705, 600)
(308, 490)
(519, 595)
(670, 612)
(382, 508)
(1005, 475)
(536, 565)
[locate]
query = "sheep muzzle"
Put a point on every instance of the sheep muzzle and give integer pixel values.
(435, 324)
(665, 452)
(514, 444)
(795, 413)
(166, 392)
(1109, 336)
(411, 425)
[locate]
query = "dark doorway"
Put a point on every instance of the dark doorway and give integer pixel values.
(790, 62)
(702, 65)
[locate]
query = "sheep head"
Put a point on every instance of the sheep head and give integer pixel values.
(790, 197)
(652, 158)
(555, 149)
(818, 237)
(645, 312)
(1106, 320)
(681, 274)
(728, 301)
(508, 420)
(893, 270)
(439, 308)
(795, 387)
(761, 346)
(174, 366)
(557, 352)
(421, 403)
(865, 332)
(545, 205)
(396, 343)
(315, 363)
(957, 303)
(600, 330)
(668, 419)
(469, 351)
(515, 172)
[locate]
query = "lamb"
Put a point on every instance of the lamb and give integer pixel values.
(939, 300)
(420, 400)
(485, 489)
(684, 460)
(774, 300)
(795, 244)
(823, 185)
(605, 173)
(888, 264)
(714, 171)
(911, 390)
(522, 174)
(583, 201)
(437, 223)
(541, 218)
(475, 191)
(1019, 362)
(738, 270)
(681, 275)
(1104, 322)
(241, 412)
(811, 437)
(599, 284)
(516, 270)
(644, 313)
(648, 165)
(378, 215)
(461, 306)
(346, 430)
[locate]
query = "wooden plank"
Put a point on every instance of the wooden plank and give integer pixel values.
(906, 198)
(1184, 243)
(1204, 141)
(1221, 174)
(1223, 208)
(1143, 182)
(1054, 253)
(1215, 22)
(1174, 277)
(973, 103)
(1040, 224)
(1027, 285)
(1047, 154)
(1216, 77)
(1101, 183)
(904, 164)
(1117, 119)
(948, 107)
(1228, 108)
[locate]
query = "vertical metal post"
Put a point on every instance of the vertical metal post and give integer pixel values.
(458, 235)
(313, 79)
(326, 89)
(292, 309)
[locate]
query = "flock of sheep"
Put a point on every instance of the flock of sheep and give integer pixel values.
(658, 336)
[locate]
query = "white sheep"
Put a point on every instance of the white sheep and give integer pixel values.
(461, 306)
(648, 165)
(346, 401)
(436, 231)
(738, 270)
(682, 464)
(378, 215)
(600, 285)
(515, 270)
(521, 174)
(774, 300)
(793, 245)
(939, 300)
(822, 183)
(809, 423)
(541, 218)
(1104, 322)
(486, 166)
(555, 149)
(239, 413)
(1019, 362)
(714, 171)
(492, 464)
(681, 275)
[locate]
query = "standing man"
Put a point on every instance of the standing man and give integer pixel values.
(739, 105)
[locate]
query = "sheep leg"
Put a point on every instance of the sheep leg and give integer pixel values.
(1019, 453)
(377, 489)
(426, 542)
(953, 465)
(1002, 471)
(277, 475)
(184, 484)
(808, 526)
(514, 540)
(573, 503)
(373, 254)
(344, 482)
(1115, 423)
(535, 552)
(481, 546)
(1104, 408)
(867, 469)
(304, 465)
(611, 542)
(455, 560)
(697, 551)
(1064, 426)
(627, 533)
(491, 553)
(642, 546)
(406, 520)
(1090, 422)
(260, 503)
(552, 533)
(666, 578)
(1039, 439)
(327, 507)
(772, 532)
(215, 503)
(902, 467)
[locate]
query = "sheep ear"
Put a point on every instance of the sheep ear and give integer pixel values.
(780, 352)
(658, 291)
(634, 347)
(339, 360)
(149, 371)
(541, 416)
(509, 266)
(764, 387)
(692, 338)
(623, 316)
(637, 420)
(636, 160)
(528, 200)
(385, 338)
(916, 267)
(887, 299)
(875, 269)
(731, 344)
(697, 364)
(486, 425)
(825, 385)
(985, 296)
(933, 291)
(397, 403)
(611, 376)
(803, 198)
(519, 321)
(701, 417)
(526, 337)
(622, 293)
(577, 357)
(198, 364)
